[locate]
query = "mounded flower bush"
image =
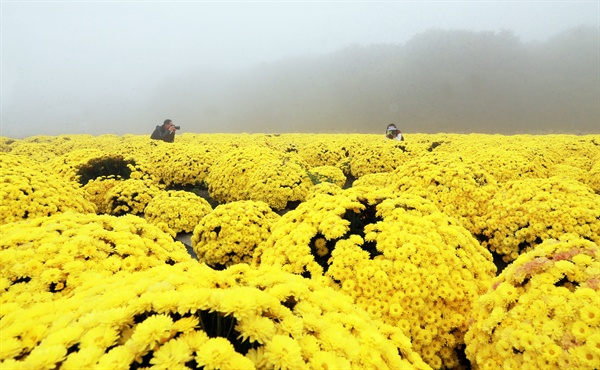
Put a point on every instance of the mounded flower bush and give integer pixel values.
(574, 158)
(458, 186)
(180, 210)
(40, 152)
(230, 233)
(95, 192)
(6, 144)
(396, 255)
(130, 196)
(107, 166)
(520, 157)
(260, 174)
(69, 163)
(29, 190)
(506, 159)
(190, 316)
(44, 257)
(542, 311)
(379, 180)
(326, 152)
(593, 178)
(524, 213)
(377, 156)
(183, 164)
(330, 174)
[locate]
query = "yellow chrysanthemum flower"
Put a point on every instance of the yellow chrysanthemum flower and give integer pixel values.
(172, 314)
(524, 213)
(174, 353)
(283, 353)
(259, 174)
(544, 320)
(458, 186)
(31, 190)
(371, 242)
(51, 254)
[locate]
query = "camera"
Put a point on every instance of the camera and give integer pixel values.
(177, 127)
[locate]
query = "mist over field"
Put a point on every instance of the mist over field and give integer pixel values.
(300, 67)
(439, 81)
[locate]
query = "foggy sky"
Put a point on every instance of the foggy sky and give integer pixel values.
(110, 67)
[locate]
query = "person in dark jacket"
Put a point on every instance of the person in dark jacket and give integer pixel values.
(164, 132)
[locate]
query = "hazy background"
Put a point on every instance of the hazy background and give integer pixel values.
(110, 67)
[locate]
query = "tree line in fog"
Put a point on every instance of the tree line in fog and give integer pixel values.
(438, 81)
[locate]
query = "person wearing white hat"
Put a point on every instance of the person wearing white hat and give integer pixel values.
(393, 133)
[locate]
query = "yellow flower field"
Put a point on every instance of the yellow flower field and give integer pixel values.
(300, 251)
